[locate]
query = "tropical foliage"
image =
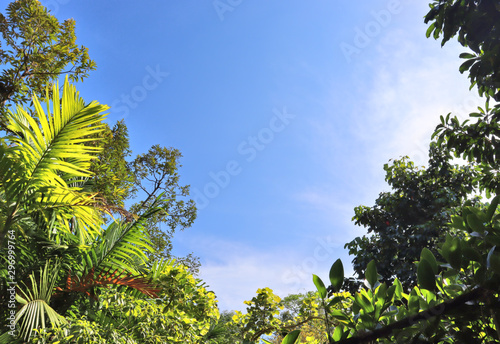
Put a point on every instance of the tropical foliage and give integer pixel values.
(76, 267)
(75, 276)
(413, 216)
(36, 49)
(182, 312)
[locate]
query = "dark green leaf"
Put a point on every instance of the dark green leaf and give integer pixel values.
(492, 208)
(427, 255)
(337, 275)
(466, 56)
(452, 252)
(457, 222)
(466, 65)
(475, 223)
(426, 276)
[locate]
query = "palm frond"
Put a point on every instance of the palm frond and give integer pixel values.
(89, 282)
(46, 153)
(123, 245)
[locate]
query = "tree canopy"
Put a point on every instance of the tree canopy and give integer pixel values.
(35, 50)
(413, 216)
(81, 255)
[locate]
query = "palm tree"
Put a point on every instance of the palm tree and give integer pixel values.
(54, 225)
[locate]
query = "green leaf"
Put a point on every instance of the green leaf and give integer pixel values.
(495, 263)
(334, 301)
(337, 275)
(452, 252)
(466, 56)
(36, 301)
(320, 286)
(337, 334)
(390, 293)
(339, 315)
(363, 302)
(475, 223)
(492, 239)
(492, 208)
(380, 300)
(413, 302)
(471, 254)
(291, 337)
(430, 29)
(371, 274)
(426, 276)
(399, 289)
(457, 222)
(427, 255)
(466, 65)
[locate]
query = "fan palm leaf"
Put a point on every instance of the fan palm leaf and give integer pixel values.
(36, 301)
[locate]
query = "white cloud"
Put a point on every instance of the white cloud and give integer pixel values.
(403, 89)
(404, 86)
(234, 271)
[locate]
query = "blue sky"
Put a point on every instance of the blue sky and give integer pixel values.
(285, 113)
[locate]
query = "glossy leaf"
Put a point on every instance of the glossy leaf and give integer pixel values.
(337, 275)
(371, 274)
(475, 223)
(398, 292)
(291, 337)
(426, 275)
(492, 208)
(428, 256)
(338, 332)
(320, 286)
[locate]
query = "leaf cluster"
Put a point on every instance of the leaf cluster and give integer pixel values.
(476, 25)
(412, 216)
(35, 49)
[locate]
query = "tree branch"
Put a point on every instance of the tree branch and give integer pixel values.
(440, 309)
